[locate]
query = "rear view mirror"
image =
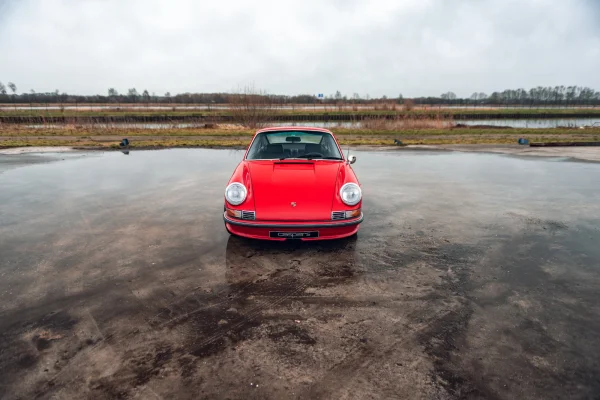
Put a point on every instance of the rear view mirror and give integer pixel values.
(293, 139)
(351, 159)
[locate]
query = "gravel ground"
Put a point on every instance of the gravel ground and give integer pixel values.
(473, 276)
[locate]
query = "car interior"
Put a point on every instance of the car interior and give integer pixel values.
(293, 147)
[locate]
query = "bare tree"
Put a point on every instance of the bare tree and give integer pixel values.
(112, 94)
(474, 97)
(2, 88)
(133, 93)
(251, 107)
(56, 94)
(13, 89)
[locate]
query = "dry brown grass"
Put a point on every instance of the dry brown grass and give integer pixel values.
(407, 122)
(389, 106)
(378, 131)
(251, 107)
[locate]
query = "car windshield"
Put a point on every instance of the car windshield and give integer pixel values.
(294, 144)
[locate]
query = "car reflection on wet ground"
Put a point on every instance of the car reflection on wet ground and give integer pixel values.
(473, 276)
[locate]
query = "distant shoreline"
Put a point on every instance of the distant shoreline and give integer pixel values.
(590, 154)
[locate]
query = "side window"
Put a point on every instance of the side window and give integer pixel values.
(262, 144)
(258, 147)
(325, 147)
(329, 147)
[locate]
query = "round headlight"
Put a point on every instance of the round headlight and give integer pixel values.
(236, 193)
(351, 194)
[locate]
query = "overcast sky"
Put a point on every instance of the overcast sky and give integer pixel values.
(413, 47)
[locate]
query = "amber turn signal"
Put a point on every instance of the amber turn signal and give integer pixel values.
(353, 213)
(234, 213)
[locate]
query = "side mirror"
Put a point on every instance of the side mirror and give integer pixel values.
(351, 159)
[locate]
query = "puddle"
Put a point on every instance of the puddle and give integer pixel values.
(117, 275)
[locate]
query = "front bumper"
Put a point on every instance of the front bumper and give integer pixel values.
(263, 229)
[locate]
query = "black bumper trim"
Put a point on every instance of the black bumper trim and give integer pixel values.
(340, 224)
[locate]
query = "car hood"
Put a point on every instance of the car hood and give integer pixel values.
(293, 190)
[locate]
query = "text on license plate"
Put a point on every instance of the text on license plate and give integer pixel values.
(294, 235)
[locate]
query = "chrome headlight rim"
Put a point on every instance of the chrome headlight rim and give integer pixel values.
(350, 184)
(236, 202)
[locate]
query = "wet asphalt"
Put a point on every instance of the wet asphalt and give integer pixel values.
(473, 276)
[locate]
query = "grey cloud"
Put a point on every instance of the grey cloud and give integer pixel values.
(414, 47)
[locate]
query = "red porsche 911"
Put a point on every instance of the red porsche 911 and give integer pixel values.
(293, 183)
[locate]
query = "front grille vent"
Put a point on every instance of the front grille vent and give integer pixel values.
(248, 215)
(335, 215)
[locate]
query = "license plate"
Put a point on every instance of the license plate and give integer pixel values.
(294, 235)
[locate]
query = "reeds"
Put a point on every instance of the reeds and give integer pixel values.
(409, 121)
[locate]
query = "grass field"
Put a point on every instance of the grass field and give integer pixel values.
(90, 137)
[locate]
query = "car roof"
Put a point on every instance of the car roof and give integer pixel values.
(294, 128)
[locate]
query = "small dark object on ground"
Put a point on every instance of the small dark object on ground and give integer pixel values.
(398, 142)
(523, 141)
(563, 144)
(210, 126)
(124, 143)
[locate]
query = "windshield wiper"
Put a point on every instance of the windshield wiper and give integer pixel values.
(309, 158)
(320, 157)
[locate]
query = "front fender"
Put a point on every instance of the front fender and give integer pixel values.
(242, 175)
(345, 175)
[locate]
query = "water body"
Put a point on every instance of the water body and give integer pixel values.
(324, 107)
(538, 123)
(117, 276)
(513, 123)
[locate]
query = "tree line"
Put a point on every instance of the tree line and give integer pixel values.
(538, 96)
(557, 95)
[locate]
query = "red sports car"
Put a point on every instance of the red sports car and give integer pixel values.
(293, 183)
